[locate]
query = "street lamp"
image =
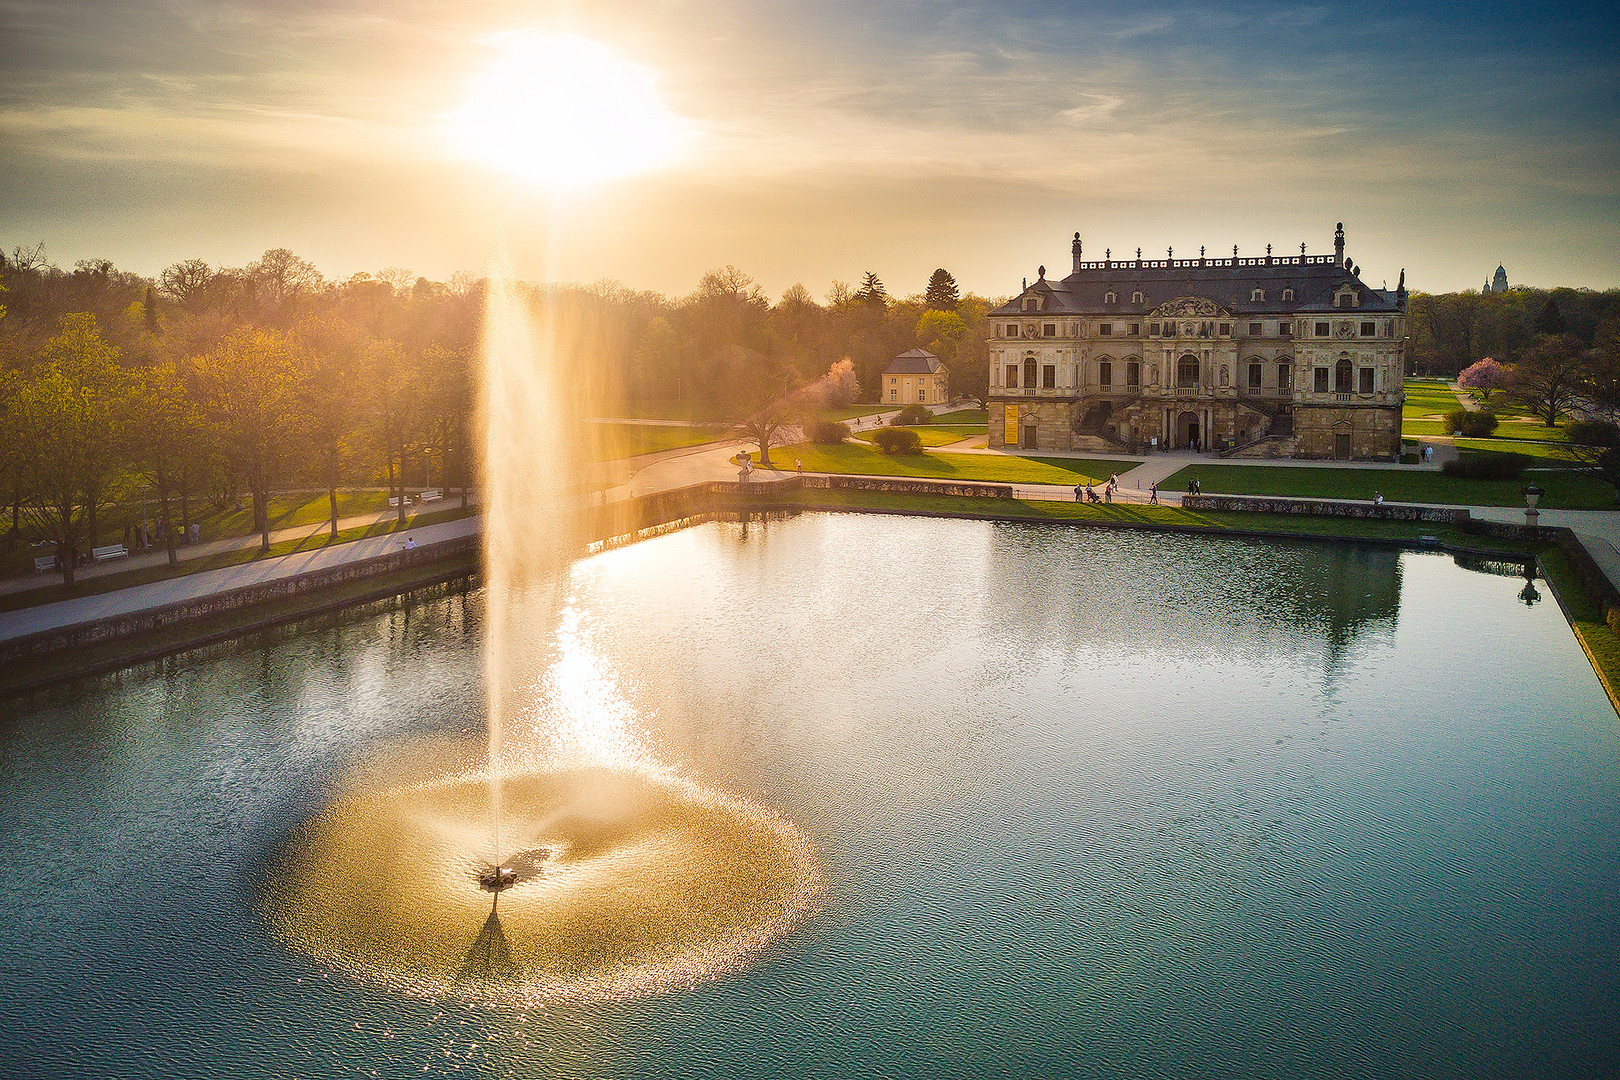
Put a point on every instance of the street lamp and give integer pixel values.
(1532, 495)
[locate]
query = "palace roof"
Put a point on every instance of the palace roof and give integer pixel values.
(1250, 286)
(913, 362)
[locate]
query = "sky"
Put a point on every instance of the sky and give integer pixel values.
(812, 142)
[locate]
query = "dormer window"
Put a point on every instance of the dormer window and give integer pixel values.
(1288, 294)
(1032, 303)
(1109, 297)
(1256, 295)
(1136, 298)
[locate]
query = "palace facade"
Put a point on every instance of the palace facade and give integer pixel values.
(1285, 356)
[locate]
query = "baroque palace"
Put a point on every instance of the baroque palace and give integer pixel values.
(1287, 356)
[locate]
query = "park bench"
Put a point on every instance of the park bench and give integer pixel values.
(393, 501)
(45, 563)
(111, 551)
(430, 495)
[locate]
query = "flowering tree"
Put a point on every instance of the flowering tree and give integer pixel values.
(1482, 377)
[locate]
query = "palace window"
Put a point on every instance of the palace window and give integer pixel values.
(1049, 330)
(1285, 377)
(1366, 380)
(1136, 329)
(1032, 304)
(1187, 371)
(1226, 329)
(1153, 329)
(1133, 373)
(1254, 376)
(1012, 329)
(1105, 329)
(1323, 329)
(922, 394)
(1049, 376)
(1341, 376)
(1256, 329)
(1256, 295)
(1288, 294)
(1109, 297)
(1136, 298)
(1321, 380)
(1105, 374)
(894, 394)
(1029, 372)
(1284, 329)
(1369, 329)
(1012, 375)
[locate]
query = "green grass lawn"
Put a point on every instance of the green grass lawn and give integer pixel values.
(933, 434)
(1427, 398)
(981, 417)
(860, 459)
(1549, 454)
(614, 441)
(1565, 490)
(849, 412)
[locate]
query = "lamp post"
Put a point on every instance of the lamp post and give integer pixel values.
(1532, 495)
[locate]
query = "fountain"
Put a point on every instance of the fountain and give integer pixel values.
(594, 870)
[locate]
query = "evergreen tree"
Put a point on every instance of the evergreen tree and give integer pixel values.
(151, 312)
(872, 292)
(942, 294)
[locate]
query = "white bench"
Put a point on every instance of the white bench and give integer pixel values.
(430, 495)
(111, 551)
(43, 564)
(393, 501)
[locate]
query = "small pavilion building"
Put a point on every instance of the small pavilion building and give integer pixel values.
(915, 377)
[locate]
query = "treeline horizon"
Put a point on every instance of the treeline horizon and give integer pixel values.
(206, 382)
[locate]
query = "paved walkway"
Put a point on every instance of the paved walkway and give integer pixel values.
(159, 556)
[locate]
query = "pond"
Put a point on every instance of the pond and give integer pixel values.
(1079, 802)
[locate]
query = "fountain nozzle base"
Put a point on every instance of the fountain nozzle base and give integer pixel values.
(497, 879)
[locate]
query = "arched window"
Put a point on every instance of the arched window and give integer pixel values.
(1029, 371)
(1187, 371)
(1109, 297)
(1288, 294)
(1341, 376)
(1256, 295)
(1136, 298)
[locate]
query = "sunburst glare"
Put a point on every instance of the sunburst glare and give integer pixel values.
(562, 110)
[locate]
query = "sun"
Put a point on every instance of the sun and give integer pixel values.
(563, 111)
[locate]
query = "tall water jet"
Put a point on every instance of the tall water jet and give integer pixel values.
(529, 507)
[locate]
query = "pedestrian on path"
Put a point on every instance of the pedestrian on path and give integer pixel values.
(1153, 494)
(1108, 493)
(1078, 496)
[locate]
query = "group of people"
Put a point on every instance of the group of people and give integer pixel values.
(1086, 493)
(142, 535)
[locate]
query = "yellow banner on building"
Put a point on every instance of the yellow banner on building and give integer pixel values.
(1009, 435)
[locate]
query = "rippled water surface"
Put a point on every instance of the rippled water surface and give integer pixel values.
(1081, 804)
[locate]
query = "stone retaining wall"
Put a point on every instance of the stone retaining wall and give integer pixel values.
(1329, 508)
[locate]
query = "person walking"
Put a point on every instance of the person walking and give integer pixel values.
(1153, 494)
(1079, 493)
(1108, 493)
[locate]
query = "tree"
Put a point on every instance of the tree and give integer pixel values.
(334, 379)
(162, 430)
(840, 386)
(1483, 376)
(942, 294)
(251, 390)
(395, 391)
(1549, 376)
(189, 284)
(65, 417)
(1549, 320)
(872, 293)
(763, 401)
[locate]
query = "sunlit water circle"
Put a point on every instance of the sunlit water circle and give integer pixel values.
(633, 882)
